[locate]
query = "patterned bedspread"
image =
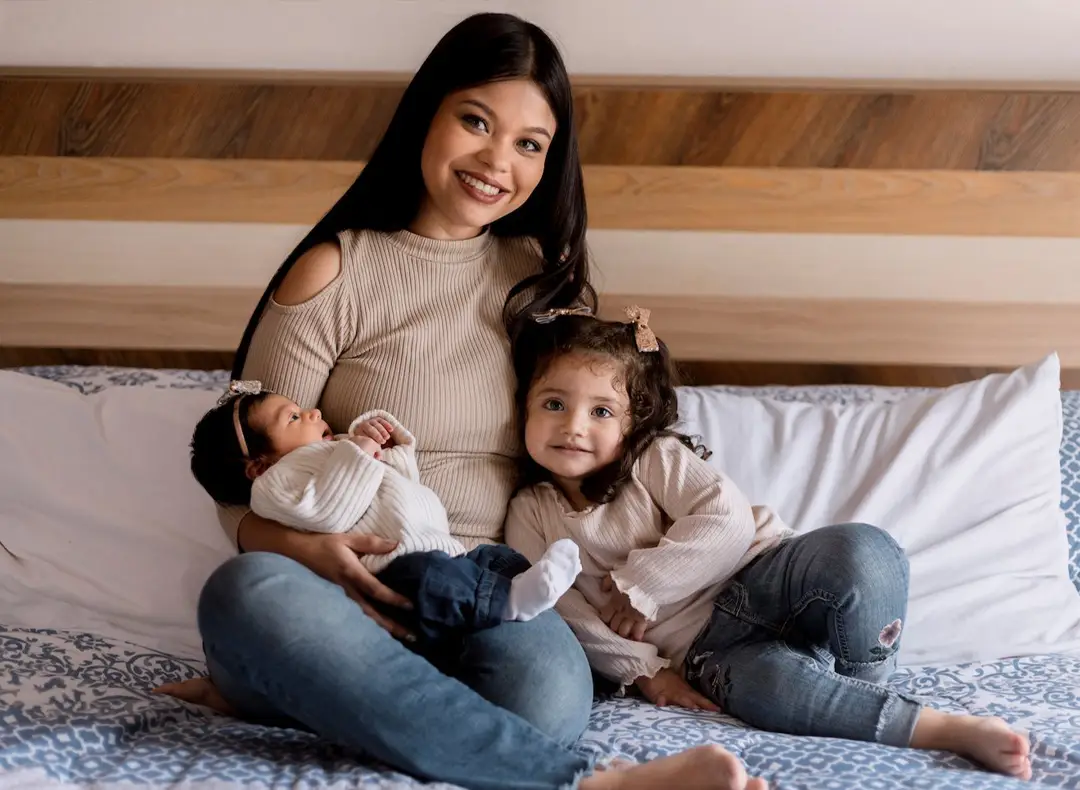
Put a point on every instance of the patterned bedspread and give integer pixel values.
(76, 709)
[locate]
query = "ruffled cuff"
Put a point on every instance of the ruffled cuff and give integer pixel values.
(639, 599)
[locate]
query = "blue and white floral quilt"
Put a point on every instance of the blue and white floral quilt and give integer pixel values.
(76, 709)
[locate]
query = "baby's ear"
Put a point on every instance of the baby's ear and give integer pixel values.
(256, 466)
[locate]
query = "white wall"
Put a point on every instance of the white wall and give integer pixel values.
(962, 40)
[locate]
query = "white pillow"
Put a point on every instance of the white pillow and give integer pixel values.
(966, 479)
(109, 530)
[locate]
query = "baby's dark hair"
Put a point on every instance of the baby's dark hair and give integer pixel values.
(649, 378)
(217, 461)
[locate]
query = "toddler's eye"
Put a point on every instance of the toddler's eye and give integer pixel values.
(553, 405)
(602, 412)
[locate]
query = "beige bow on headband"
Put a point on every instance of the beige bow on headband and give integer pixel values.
(644, 337)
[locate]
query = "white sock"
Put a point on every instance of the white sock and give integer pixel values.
(538, 588)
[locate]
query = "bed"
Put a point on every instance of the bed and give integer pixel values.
(77, 707)
(897, 236)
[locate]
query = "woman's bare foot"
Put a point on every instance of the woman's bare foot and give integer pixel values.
(198, 691)
(700, 768)
(987, 740)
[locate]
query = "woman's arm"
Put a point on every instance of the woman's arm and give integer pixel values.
(307, 325)
(304, 330)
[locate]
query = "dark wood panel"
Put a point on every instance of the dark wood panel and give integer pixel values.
(618, 124)
(693, 373)
(115, 357)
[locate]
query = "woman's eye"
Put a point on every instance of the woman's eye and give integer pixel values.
(553, 405)
(475, 121)
(602, 412)
(530, 146)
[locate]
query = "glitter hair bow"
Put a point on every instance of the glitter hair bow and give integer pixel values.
(644, 337)
(547, 316)
(240, 388)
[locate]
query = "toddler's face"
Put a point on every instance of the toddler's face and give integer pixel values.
(287, 425)
(577, 415)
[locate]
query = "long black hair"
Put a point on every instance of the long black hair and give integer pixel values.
(387, 194)
(649, 378)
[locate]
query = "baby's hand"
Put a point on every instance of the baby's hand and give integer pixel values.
(378, 430)
(620, 615)
(367, 444)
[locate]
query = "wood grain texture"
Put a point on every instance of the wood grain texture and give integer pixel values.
(117, 316)
(745, 374)
(620, 197)
(17, 357)
(875, 332)
(646, 124)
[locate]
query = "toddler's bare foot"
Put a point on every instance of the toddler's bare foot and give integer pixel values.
(987, 740)
(700, 768)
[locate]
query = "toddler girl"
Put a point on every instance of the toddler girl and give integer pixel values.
(259, 447)
(688, 591)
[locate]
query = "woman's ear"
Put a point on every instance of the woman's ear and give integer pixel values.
(256, 466)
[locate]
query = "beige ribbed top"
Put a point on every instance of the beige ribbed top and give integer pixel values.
(671, 540)
(412, 326)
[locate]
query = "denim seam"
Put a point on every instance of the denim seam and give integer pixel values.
(485, 595)
(828, 598)
(740, 611)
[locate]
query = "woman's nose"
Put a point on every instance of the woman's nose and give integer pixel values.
(495, 156)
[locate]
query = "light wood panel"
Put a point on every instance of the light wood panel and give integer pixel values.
(136, 317)
(705, 328)
(658, 198)
(859, 332)
(199, 115)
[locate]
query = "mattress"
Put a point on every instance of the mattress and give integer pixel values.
(76, 708)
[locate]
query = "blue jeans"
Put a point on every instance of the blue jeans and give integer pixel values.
(453, 596)
(802, 638)
(286, 647)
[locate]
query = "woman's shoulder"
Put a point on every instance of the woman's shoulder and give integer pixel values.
(310, 275)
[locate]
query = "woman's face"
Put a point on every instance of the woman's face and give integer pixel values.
(483, 157)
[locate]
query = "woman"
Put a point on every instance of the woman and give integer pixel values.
(470, 211)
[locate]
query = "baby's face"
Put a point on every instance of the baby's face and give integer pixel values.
(287, 425)
(577, 415)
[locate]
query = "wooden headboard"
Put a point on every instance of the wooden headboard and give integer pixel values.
(800, 234)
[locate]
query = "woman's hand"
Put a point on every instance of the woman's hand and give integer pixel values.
(620, 615)
(336, 558)
(668, 687)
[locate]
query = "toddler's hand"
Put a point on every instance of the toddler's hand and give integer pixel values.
(668, 687)
(620, 615)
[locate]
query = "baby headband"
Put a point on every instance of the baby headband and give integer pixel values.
(241, 389)
(644, 338)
